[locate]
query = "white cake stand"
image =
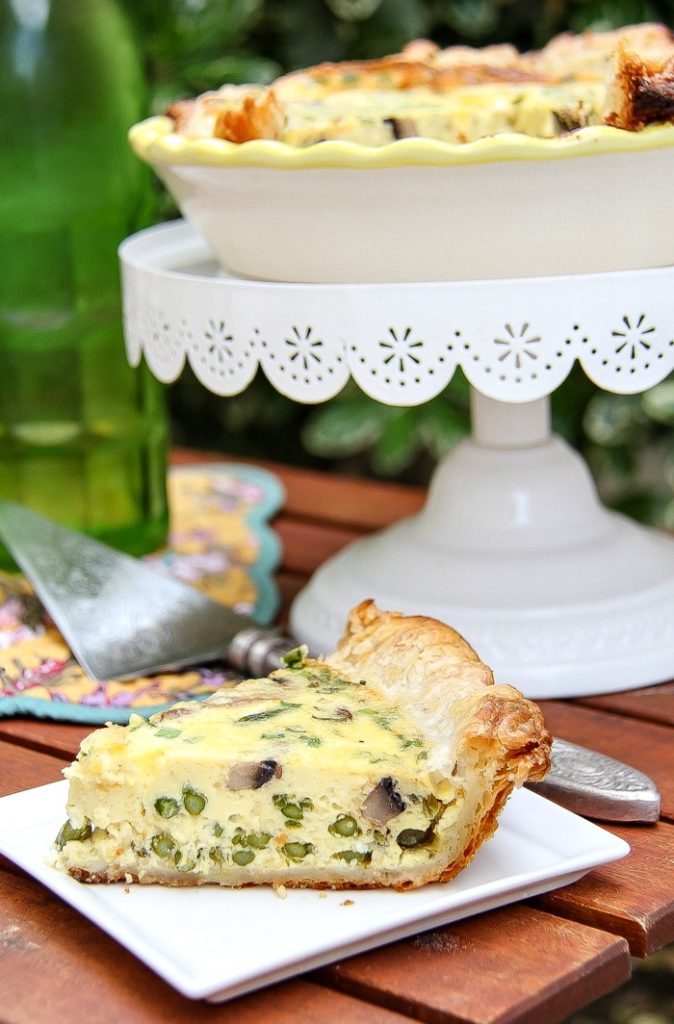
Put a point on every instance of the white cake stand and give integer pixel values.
(513, 547)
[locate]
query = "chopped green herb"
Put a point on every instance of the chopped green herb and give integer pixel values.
(311, 741)
(296, 657)
(383, 721)
(261, 716)
(167, 732)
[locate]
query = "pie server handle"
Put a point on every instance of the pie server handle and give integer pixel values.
(597, 786)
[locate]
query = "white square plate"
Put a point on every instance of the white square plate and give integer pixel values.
(214, 943)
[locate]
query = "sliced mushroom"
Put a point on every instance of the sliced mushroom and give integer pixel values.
(252, 774)
(402, 127)
(383, 803)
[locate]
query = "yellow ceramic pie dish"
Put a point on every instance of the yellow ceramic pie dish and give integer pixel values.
(563, 194)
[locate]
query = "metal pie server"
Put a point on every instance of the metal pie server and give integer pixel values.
(123, 619)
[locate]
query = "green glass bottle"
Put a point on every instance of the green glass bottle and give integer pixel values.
(82, 435)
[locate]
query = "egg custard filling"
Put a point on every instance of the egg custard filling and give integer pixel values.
(316, 768)
(313, 776)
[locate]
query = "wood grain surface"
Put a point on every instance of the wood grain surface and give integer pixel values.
(493, 968)
(532, 963)
(24, 769)
(56, 966)
(653, 703)
(633, 897)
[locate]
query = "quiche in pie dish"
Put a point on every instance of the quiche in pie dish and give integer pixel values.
(434, 165)
(386, 764)
(623, 78)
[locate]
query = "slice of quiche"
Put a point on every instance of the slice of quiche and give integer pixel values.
(386, 764)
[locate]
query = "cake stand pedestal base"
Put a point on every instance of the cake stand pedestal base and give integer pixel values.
(514, 549)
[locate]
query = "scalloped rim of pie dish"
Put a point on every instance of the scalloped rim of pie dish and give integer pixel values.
(155, 141)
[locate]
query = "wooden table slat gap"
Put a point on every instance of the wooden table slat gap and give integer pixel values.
(631, 897)
(36, 745)
(654, 704)
(429, 976)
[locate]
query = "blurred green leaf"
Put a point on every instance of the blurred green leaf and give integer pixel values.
(658, 403)
(238, 68)
(302, 33)
(398, 444)
(345, 427)
(609, 419)
(606, 14)
(353, 10)
(442, 426)
(392, 25)
(472, 19)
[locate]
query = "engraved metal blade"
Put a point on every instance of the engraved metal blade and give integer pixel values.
(598, 786)
(120, 618)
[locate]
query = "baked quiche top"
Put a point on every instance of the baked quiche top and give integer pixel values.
(623, 78)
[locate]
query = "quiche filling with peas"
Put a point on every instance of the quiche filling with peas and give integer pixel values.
(315, 776)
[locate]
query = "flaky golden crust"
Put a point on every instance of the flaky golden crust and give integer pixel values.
(642, 91)
(586, 54)
(486, 738)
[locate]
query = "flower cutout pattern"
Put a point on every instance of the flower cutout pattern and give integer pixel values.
(632, 340)
(304, 348)
(402, 349)
(518, 346)
(160, 331)
(220, 345)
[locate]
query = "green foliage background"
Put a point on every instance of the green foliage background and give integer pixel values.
(194, 45)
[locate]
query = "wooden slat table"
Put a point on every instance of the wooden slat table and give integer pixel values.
(533, 962)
